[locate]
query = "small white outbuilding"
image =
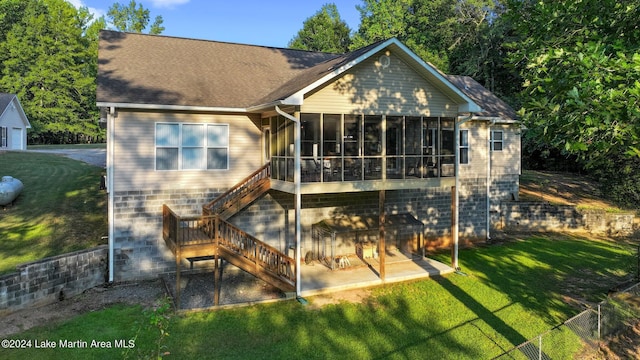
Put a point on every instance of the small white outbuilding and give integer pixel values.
(13, 123)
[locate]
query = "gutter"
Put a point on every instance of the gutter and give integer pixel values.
(250, 109)
(111, 116)
(170, 107)
(298, 196)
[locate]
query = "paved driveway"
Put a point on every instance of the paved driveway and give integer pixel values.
(96, 157)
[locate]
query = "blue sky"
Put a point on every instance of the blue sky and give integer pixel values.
(259, 22)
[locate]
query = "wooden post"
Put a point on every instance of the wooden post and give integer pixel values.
(381, 240)
(178, 276)
(216, 285)
(421, 241)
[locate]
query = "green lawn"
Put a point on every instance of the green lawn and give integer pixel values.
(60, 209)
(510, 293)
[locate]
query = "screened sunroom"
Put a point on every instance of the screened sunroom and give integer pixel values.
(348, 147)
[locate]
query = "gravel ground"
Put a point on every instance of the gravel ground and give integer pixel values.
(96, 157)
(236, 287)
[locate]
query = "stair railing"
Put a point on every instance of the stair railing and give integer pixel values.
(228, 199)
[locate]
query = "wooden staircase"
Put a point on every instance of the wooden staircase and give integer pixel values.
(211, 236)
(242, 194)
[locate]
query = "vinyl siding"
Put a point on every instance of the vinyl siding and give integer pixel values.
(134, 155)
(507, 161)
(503, 162)
(477, 166)
(370, 88)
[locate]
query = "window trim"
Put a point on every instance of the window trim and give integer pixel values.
(462, 147)
(4, 136)
(180, 146)
(493, 140)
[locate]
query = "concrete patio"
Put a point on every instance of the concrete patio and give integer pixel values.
(318, 278)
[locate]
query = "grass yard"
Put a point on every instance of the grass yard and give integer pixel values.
(60, 209)
(510, 293)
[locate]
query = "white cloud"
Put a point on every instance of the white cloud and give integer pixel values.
(96, 12)
(168, 3)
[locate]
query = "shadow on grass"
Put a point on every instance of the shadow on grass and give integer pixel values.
(547, 273)
(288, 330)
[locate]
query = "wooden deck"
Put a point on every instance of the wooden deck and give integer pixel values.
(210, 236)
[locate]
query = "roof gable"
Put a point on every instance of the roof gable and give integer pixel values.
(6, 100)
(428, 71)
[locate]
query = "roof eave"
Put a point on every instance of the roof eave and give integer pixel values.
(171, 107)
(16, 103)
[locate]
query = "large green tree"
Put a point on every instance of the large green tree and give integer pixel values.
(580, 64)
(47, 61)
(443, 32)
(133, 18)
(324, 31)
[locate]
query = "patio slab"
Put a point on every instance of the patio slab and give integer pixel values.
(320, 279)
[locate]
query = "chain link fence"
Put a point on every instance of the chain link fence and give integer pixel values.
(588, 327)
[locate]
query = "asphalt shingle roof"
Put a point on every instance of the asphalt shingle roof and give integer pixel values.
(161, 70)
(492, 105)
(5, 99)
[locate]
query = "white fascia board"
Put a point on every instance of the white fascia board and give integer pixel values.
(23, 116)
(170, 107)
(296, 98)
(271, 105)
(471, 107)
(497, 120)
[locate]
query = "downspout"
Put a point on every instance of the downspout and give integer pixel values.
(298, 196)
(456, 227)
(111, 116)
(489, 179)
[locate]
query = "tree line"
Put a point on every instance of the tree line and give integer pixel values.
(571, 68)
(49, 57)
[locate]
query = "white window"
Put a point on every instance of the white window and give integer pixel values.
(3, 136)
(192, 146)
(497, 140)
(464, 146)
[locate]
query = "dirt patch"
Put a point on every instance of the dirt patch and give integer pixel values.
(624, 344)
(351, 296)
(562, 189)
(147, 294)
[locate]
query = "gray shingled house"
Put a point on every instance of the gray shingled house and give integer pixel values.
(252, 146)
